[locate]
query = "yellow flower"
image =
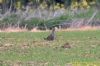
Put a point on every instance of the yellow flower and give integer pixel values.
(56, 7)
(1, 1)
(62, 5)
(43, 5)
(18, 5)
(84, 4)
(74, 5)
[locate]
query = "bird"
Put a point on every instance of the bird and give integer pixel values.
(52, 35)
(66, 45)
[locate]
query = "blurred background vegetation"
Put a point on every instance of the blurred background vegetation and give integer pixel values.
(15, 5)
(44, 13)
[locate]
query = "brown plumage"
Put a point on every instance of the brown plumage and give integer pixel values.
(52, 36)
(66, 45)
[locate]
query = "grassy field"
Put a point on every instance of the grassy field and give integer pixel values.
(30, 49)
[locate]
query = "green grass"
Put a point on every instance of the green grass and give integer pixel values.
(85, 47)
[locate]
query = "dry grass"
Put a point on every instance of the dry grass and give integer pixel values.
(12, 29)
(84, 28)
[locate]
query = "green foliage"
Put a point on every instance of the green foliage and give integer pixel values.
(14, 20)
(31, 23)
(56, 21)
